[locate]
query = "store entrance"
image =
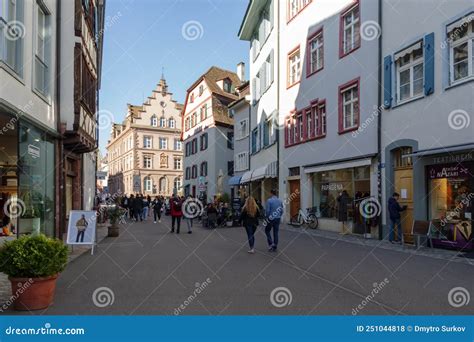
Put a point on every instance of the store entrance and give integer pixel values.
(295, 203)
(11, 208)
(403, 184)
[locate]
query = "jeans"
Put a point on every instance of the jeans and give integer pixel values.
(189, 222)
(395, 223)
(176, 219)
(157, 213)
(251, 229)
(145, 213)
(138, 214)
(275, 225)
(80, 235)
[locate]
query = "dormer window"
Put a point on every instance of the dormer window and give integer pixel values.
(227, 86)
(171, 123)
(162, 122)
(154, 121)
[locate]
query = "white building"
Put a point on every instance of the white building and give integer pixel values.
(328, 91)
(428, 122)
(260, 27)
(208, 134)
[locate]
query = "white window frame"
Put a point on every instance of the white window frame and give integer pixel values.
(410, 66)
(148, 184)
(172, 123)
(355, 34)
(163, 143)
(318, 50)
(353, 100)
(178, 163)
(12, 48)
(154, 121)
(178, 145)
(293, 8)
(147, 142)
(243, 129)
(469, 39)
(147, 162)
(42, 50)
(294, 67)
(162, 122)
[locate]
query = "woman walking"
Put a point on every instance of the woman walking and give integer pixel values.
(157, 205)
(250, 214)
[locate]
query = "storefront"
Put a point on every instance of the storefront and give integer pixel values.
(27, 178)
(329, 181)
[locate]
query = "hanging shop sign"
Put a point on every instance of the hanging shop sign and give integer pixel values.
(448, 171)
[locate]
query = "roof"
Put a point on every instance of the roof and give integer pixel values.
(134, 110)
(251, 18)
(215, 74)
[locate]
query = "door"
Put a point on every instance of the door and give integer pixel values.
(295, 203)
(403, 179)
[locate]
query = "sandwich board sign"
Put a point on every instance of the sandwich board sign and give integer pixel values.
(82, 228)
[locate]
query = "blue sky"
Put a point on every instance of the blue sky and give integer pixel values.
(144, 36)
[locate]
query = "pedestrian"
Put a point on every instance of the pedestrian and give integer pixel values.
(138, 207)
(131, 203)
(157, 205)
(250, 214)
(394, 210)
(342, 202)
(273, 213)
(189, 220)
(125, 202)
(176, 213)
(146, 207)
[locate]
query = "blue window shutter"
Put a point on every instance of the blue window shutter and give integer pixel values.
(387, 81)
(429, 63)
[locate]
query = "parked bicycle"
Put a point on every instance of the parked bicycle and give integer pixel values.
(307, 218)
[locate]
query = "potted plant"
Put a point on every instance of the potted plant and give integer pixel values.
(30, 218)
(114, 213)
(229, 218)
(32, 264)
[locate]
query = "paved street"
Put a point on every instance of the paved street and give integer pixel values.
(150, 271)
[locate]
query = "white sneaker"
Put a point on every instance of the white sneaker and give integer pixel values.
(252, 251)
(154, 221)
(159, 220)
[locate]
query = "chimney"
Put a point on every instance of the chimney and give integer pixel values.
(241, 71)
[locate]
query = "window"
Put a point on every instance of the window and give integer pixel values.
(163, 143)
(187, 124)
(461, 49)
(315, 53)
(350, 27)
(255, 45)
(268, 136)
(255, 144)
(171, 123)
(201, 90)
(241, 161)
(162, 121)
(42, 51)
(147, 184)
(309, 124)
(177, 163)
(147, 142)
(203, 111)
(177, 145)
(204, 169)
(154, 121)
(194, 172)
(230, 168)
(194, 119)
(177, 184)
(294, 67)
(349, 106)
(295, 7)
(163, 185)
(147, 162)
(230, 140)
(204, 141)
(243, 129)
(12, 33)
(409, 66)
(188, 149)
(188, 173)
(322, 120)
(191, 98)
(194, 146)
(228, 86)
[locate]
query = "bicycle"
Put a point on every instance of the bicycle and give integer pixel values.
(307, 218)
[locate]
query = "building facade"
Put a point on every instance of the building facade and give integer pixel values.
(240, 111)
(428, 131)
(260, 27)
(145, 152)
(208, 134)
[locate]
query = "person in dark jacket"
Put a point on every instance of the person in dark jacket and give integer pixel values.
(342, 202)
(138, 207)
(250, 214)
(394, 210)
(176, 213)
(157, 204)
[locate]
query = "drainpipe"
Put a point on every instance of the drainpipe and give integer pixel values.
(277, 63)
(61, 190)
(379, 122)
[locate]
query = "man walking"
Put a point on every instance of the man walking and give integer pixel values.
(394, 210)
(176, 213)
(157, 205)
(273, 212)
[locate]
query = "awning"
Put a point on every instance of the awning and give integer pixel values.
(459, 23)
(407, 51)
(440, 150)
(259, 173)
(247, 176)
(233, 181)
(340, 166)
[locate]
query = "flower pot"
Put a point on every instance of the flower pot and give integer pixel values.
(113, 231)
(33, 293)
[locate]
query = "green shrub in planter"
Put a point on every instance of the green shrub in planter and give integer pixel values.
(33, 257)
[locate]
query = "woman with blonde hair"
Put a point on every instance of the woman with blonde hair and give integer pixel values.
(250, 214)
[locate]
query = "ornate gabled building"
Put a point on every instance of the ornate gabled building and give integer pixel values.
(145, 152)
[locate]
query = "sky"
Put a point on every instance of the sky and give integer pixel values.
(183, 37)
